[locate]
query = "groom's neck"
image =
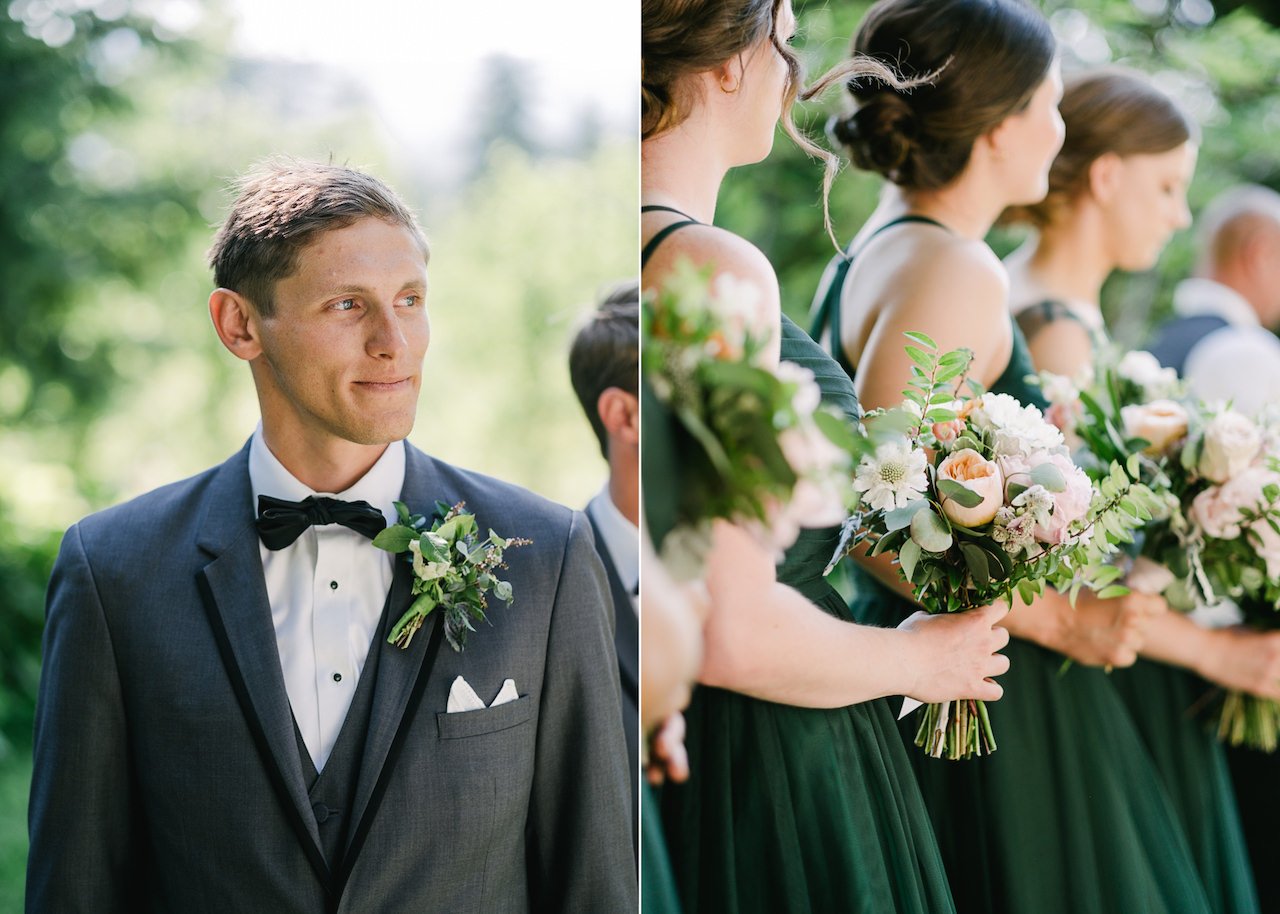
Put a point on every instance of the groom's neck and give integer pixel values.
(323, 463)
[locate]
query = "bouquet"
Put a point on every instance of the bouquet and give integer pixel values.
(754, 443)
(979, 499)
(1216, 532)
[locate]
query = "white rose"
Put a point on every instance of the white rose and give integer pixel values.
(1144, 369)
(1231, 442)
(1160, 422)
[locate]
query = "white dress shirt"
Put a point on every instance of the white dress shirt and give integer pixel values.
(1239, 362)
(621, 538)
(326, 590)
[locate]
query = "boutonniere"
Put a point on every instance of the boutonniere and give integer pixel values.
(453, 568)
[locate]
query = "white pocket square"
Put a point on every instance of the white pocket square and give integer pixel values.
(464, 698)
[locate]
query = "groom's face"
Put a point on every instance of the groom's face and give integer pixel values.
(342, 352)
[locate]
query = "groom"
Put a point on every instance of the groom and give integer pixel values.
(222, 724)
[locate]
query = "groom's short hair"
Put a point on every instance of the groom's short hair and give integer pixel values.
(281, 206)
(606, 353)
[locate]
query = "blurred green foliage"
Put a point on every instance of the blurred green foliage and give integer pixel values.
(118, 134)
(1226, 71)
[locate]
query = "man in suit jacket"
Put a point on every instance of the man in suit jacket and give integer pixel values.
(604, 366)
(222, 724)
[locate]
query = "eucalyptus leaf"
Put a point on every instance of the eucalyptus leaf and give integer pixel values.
(1115, 590)
(930, 532)
(959, 493)
(908, 558)
(899, 518)
(1049, 476)
(976, 560)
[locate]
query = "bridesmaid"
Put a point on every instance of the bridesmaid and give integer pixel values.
(800, 797)
(1117, 192)
(1068, 814)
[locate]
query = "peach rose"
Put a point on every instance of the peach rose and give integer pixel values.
(1216, 510)
(1149, 577)
(974, 472)
(1160, 422)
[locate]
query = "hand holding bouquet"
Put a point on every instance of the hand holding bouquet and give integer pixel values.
(977, 496)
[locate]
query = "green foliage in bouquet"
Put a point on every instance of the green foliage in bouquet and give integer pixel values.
(732, 412)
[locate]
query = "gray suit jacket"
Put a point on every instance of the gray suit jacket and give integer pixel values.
(167, 776)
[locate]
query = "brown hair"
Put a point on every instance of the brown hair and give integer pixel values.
(282, 204)
(684, 37)
(1109, 110)
(973, 62)
(606, 353)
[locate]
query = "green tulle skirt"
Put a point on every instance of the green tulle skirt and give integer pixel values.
(792, 810)
(1069, 815)
(1162, 701)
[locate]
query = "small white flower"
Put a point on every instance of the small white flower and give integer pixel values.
(894, 477)
(1016, 429)
(1058, 388)
(1144, 369)
(427, 571)
(1037, 501)
(808, 395)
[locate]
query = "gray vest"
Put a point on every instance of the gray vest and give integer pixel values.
(332, 791)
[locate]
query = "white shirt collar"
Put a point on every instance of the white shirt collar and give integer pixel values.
(621, 537)
(380, 487)
(1197, 296)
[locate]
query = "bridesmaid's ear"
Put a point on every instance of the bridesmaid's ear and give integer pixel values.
(1105, 177)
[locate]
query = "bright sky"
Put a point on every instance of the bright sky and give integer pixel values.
(419, 58)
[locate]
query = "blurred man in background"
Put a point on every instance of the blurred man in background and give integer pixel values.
(604, 365)
(1221, 341)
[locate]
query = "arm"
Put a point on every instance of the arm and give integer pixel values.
(1235, 658)
(81, 812)
(765, 640)
(1062, 347)
(580, 855)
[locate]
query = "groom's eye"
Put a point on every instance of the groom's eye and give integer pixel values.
(345, 304)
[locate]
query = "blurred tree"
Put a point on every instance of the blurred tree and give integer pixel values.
(503, 110)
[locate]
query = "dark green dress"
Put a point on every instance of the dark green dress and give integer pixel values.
(1191, 762)
(795, 810)
(1068, 816)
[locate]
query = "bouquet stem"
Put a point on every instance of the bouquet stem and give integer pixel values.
(957, 730)
(1249, 721)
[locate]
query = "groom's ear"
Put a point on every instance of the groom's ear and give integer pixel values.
(236, 322)
(620, 414)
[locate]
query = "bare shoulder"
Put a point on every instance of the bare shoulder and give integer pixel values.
(723, 251)
(929, 271)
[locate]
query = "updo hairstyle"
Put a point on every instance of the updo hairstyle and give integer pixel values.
(975, 62)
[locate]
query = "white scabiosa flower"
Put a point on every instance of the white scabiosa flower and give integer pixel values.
(895, 476)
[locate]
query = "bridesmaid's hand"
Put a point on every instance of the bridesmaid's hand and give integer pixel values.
(955, 654)
(1242, 659)
(668, 758)
(1100, 632)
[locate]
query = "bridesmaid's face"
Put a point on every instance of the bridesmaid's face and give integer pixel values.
(1030, 141)
(1149, 205)
(758, 102)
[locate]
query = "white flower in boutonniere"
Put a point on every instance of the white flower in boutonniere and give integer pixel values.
(453, 568)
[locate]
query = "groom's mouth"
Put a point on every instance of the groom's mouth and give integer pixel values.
(388, 386)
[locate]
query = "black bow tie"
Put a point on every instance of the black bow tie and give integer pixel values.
(281, 522)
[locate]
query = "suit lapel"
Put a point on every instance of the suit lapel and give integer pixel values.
(402, 673)
(235, 597)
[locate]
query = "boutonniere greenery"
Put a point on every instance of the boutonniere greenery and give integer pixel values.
(453, 569)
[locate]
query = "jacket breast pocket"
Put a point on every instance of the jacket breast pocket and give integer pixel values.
(485, 720)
